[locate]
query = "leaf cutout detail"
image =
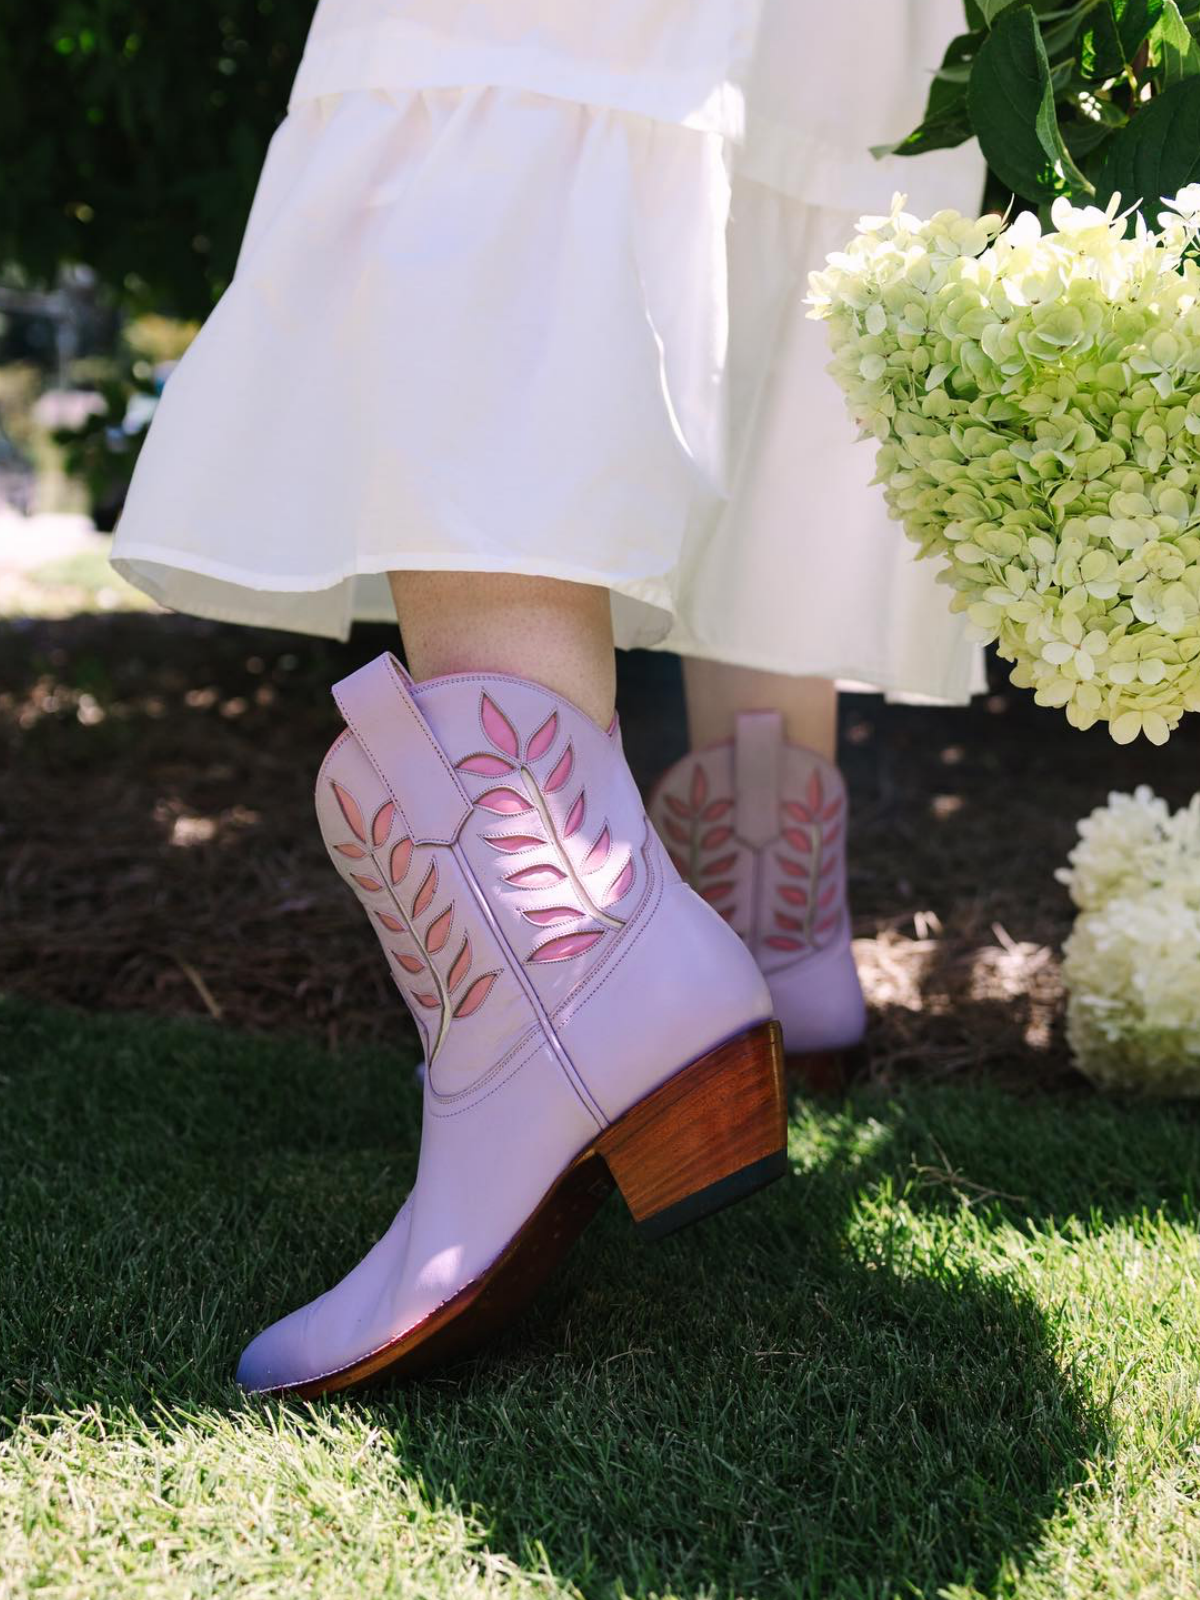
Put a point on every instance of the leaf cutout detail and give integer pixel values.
(460, 966)
(409, 963)
(561, 772)
(400, 860)
(427, 890)
(497, 727)
(504, 802)
(826, 900)
(832, 835)
(439, 931)
(393, 924)
(782, 920)
(575, 817)
(351, 850)
(512, 842)
(351, 812)
(552, 914)
(780, 941)
(796, 869)
(621, 885)
(476, 995)
(676, 830)
(536, 877)
(831, 810)
(717, 891)
(717, 810)
(381, 822)
(543, 738)
(429, 1001)
(566, 947)
(793, 895)
(699, 788)
(485, 766)
(799, 839)
(827, 925)
(598, 854)
(797, 812)
(715, 837)
(369, 884)
(676, 805)
(721, 864)
(815, 794)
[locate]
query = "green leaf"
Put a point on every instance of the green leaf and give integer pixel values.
(1177, 52)
(1157, 153)
(1134, 20)
(1011, 101)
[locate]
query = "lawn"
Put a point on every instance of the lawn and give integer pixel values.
(955, 1353)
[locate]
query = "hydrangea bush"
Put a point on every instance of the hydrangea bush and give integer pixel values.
(1132, 959)
(1036, 398)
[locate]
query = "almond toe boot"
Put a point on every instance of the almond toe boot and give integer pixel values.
(757, 826)
(587, 1019)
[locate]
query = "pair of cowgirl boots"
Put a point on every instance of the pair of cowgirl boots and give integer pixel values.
(588, 1020)
(757, 826)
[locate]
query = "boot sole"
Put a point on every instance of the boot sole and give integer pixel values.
(711, 1135)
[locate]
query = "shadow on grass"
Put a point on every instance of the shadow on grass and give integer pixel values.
(797, 1399)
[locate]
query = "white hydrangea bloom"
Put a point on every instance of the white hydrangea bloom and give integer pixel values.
(1132, 962)
(1036, 398)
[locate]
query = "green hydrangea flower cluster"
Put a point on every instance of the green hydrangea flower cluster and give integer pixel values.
(1130, 963)
(1037, 402)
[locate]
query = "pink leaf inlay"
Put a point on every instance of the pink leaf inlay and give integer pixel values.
(351, 812)
(510, 843)
(676, 830)
(716, 891)
(826, 900)
(429, 1001)
(794, 867)
(721, 864)
(797, 812)
(815, 794)
(351, 850)
(621, 885)
(409, 963)
(504, 802)
(827, 924)
(832, 809)
(699, 788)
(552, 914)
(793, 895)
(575, 816)
(598, 854)
(369, 884)
(460, 966)
(485, 766)
(832, 835)
(676, 805)
(427, 890)
(536, 877)
(393, 924)
(828, 865)
(439, 931)
(400, 859)
(799, 839)
(715, 837)
(381, 822)
(780, 941)
(543, 738)
(562, 771)
(497, 727)
(476, 995)
(717, 810)
(782, 920)
(566, 947)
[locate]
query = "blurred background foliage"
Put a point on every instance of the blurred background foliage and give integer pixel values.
(132, 134)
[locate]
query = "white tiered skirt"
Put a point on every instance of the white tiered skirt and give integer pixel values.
(522, 291)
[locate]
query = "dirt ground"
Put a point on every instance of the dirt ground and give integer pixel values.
(158, 850)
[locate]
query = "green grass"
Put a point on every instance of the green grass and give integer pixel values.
(955, 1353)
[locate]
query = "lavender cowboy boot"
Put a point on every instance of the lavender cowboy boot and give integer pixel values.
(586, 1018)
(758, 828)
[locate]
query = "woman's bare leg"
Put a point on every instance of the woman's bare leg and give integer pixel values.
(716, 693)
(553, 633)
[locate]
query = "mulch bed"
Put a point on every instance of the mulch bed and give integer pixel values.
(158, 850)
